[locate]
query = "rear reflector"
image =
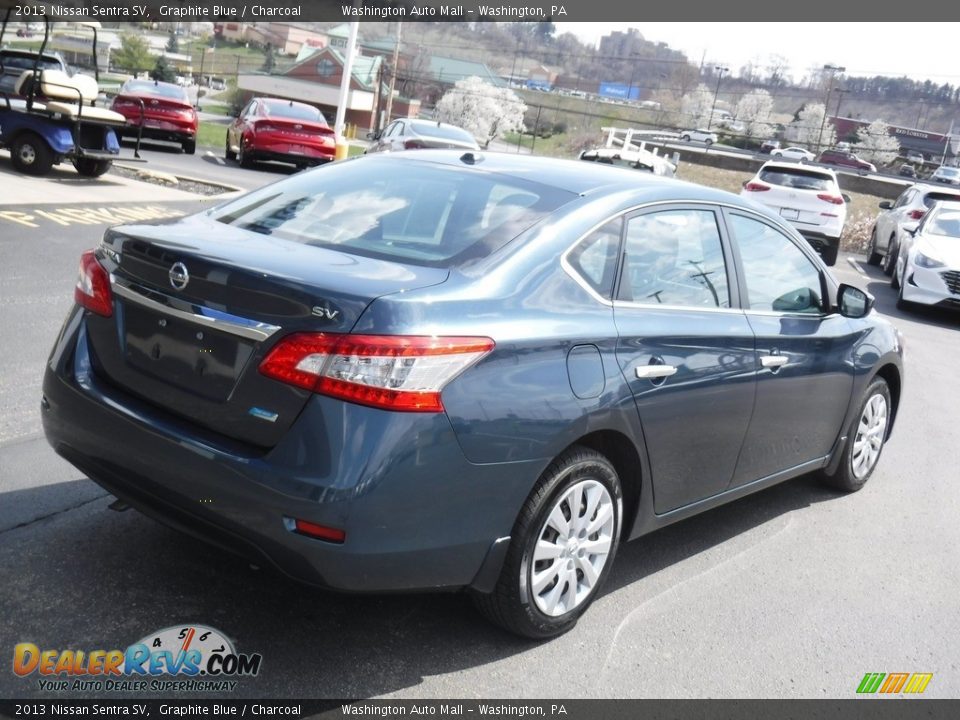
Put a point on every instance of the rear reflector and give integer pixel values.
(93, 286)
(321, 532)
(755, 187)
(833, 199)
(392, 372)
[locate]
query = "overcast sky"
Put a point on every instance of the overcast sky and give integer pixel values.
(919, 50)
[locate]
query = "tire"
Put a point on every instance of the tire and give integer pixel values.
(189, 146)
(31, 155)
(92, 168)
(902, 302)
(829, 254)
(708, 143)
(685, 138)
(227, 152)
(538, 600)
(873, 257)
(778, 154)
(865, 439)
(890, 262)
(243, 160)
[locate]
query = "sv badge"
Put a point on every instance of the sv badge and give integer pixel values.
(324, 312)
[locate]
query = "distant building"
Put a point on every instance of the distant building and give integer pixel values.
(315, 79)
(932, 145)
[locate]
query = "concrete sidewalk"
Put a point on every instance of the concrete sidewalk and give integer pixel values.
(64, 186)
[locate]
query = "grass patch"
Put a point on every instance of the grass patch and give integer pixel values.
(211, 135)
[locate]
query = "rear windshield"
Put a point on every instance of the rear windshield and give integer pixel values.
(930, 198)
(158, 89)
(797, 178)
(293, 111)
(446, 132)
(397, 209)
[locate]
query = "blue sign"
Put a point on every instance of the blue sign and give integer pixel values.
(621, 91)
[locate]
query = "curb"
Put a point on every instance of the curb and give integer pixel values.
(166, 176)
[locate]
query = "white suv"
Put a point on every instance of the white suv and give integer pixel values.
(911, 206)
(808, 198)
(699, 135)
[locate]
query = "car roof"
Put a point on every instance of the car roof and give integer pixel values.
(575, 176)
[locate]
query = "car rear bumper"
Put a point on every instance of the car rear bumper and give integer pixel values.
(819, 239)
(163, 131)
(290, 153)
(416, 513)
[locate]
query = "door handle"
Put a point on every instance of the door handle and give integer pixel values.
(774, 361)
(652, 372)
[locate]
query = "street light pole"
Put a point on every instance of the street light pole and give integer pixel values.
(832, 69)
(720, 71)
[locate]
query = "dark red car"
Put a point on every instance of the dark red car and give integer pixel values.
(842, 158)
(284, 130)
(168, 113)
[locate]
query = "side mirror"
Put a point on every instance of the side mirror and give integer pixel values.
(910, 228)
(846, 198)
(853, 302)
(373, 136)
(886, 205)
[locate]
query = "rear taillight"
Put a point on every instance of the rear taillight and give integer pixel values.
(392, 372)
(413, 145)
(125, 105)
(93, 286)
(755, 187)
(264, 127)
(832, 199)
(917, 214)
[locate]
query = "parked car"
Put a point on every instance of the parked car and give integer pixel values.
(928, 262)
(887, 234)
(167, 112)
(419, 371)
(915, 157)
(636, 159)
(700, 135)
(13, 63)
(946, 175)
(416, 134)
(768, 146)
(842, 158)
(907, 171)
(793, 153)
(808, 198)
(275, 129)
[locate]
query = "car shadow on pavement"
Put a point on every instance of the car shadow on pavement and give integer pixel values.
(273, 167)
(92, 578)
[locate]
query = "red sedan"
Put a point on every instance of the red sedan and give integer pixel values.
(284, 130)
(167, 112)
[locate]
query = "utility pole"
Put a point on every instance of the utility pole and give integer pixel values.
(393, 78)
(720, 71)
(342, 147)
(832, 69)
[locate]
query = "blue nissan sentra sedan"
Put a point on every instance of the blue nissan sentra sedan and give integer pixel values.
(464, 370)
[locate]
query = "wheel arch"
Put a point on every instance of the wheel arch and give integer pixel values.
(623, 454)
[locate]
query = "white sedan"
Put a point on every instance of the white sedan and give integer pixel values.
(699, 135)
(794, 153)
(928, 265)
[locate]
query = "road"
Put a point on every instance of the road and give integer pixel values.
(794, 592)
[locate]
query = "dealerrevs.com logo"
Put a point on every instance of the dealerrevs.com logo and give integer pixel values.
(186, 658)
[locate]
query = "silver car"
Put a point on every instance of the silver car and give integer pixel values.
(910, 207)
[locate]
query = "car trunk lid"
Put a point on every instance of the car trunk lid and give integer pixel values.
(198, 304)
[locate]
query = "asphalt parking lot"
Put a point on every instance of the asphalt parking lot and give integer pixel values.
(794, 592)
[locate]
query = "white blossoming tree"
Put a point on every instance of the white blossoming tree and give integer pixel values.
(876, 144)
(806, 129)
(485, 111)
(696, 106)
(754, 111)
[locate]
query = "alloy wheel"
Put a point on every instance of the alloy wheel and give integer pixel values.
(572, 548)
